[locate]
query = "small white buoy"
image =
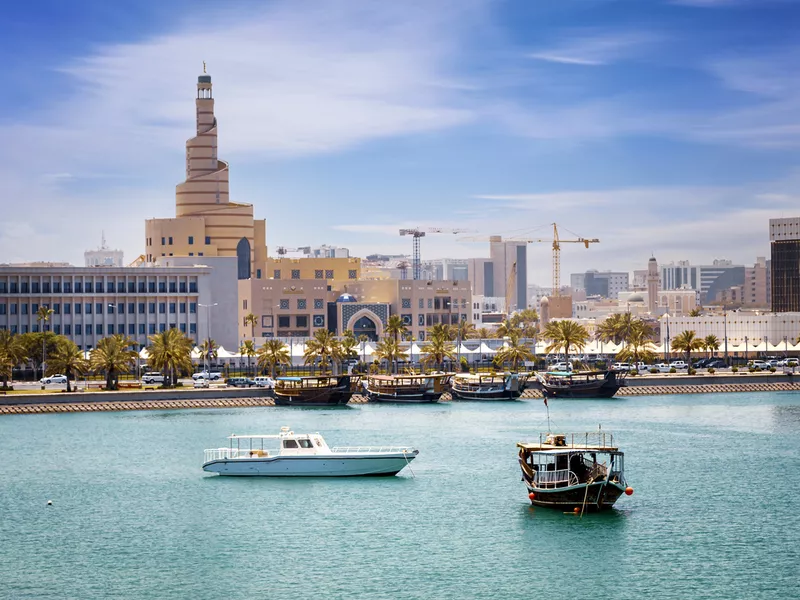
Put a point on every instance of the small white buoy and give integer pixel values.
(49, 503)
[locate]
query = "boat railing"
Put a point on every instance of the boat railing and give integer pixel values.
(372, 449)
(551, 479)
(598, 439)
(229, 453)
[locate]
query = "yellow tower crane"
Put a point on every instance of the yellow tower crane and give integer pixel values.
(556, 242)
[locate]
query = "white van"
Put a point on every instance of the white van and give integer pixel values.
(266, 382)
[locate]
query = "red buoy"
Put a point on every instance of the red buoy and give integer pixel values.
(576, 510)
(629, 490)
(531, 495)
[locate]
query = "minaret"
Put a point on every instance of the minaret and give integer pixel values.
(652, 285)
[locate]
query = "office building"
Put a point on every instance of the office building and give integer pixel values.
(504, 273)
(606, 284)
(706, 279)
(784, 237)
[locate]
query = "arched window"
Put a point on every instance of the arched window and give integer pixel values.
(243, 258)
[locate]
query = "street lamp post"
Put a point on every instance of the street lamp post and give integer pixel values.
(725, 315)
(745, 349)
(206, 357)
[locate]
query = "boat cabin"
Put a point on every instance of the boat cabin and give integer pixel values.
(482, 381)
(300, 384)
(394, 384)
(565, 460)
(286, 443)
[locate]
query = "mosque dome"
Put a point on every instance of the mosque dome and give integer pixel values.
(346, 298)
(544, 301)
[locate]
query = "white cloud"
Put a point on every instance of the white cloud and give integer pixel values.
(590, 48)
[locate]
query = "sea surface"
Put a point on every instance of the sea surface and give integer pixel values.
(715, 513)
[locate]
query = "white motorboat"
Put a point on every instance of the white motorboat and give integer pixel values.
(303, 455)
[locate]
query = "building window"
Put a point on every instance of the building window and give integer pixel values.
(319, 303)
(88, 308)
(295, 273)
(151, 328)
(131, 308)
(421, 303)
(285, 304)
(163, 241)
(182, 287)
(89, 287)
(141, 328)
(98, 308)
(46, 287)
(162, 308)
(430, 303)
(151, 308)
(34, 308)
(182, 308)
(67, 329)
(191, 253)
(172, 308)
(208, 240)
(131, 329)
(78, 307)
(2, 309)
(276, 274)
(56, 309)
(352, 274)
(151, 287)
(301, 321)
(192, 308)
(131, 287)
(301, 304)
(191, 240)
(183, 327)
(78, 329)
(328, 273)
(162, 327)
(283, 321)
(170, 240)
(192, 328)
(162, 287)
(25, 309)
(110, 329)
(318, 273)
(34, 287)
(192, 287)
(98, 329)
(173, 287)
(109, 287)
(405, 302)
(199, 254)
(24, 287)
(67, 287)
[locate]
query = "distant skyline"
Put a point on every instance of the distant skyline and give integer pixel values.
(663, 127)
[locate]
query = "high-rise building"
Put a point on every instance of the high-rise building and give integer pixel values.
(606, 284)
(206, 222)
(706, 279)
(504, 273)
(784, 237)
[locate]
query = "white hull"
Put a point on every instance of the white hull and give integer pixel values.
(328, 465)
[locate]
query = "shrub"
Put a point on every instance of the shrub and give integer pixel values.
(692, 371)
(754, 369)
(654, 370)
(772, 369)
(734, 369)
(464, 365)
(673, 370)
(711, 370)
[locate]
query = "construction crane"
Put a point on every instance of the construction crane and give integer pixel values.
(556, 244)
(418, 233)
(283, 251)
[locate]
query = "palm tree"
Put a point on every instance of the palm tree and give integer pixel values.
(396, 328)
(272, 353)
(440, 331)
(565, 335)
(43, 316)
(69, 360)
(437, 350)
(466, 330)
(12, 353)
(483, 334)
(170, 352)
(687, 341)
(711, 344)
(390, 351)
(112, 355)
(251, 320)
(348, 346)
(323, 347)
(507, 328)
(514, 352)
(208, 351)
(639, 347)
(248, 349)
(696, 312)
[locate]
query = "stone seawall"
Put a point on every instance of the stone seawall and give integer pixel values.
(234, 398)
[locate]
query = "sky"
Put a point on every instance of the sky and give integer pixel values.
(667, 128)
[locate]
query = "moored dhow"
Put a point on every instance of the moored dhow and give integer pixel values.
(581, 384)
(488, 386)
(303, 455)
(573, 472)
(314, 391)
(407, 388)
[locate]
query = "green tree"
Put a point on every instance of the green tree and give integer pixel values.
(252, 321)
(437, 350)
(440, 331)
(209, 351)
(484, 334)
(564, 335)
(248, 349)
(170, 352)
(390, 351)
(69, 360)
(696, 312)
(688, 342)
(272, 353)
(465, 330)
(113, 355)
(711, 344)
(12, 352)
(396, 328)
(513, 351)
(323, 348)
(639, 346)
(349, 346)
(508, 328)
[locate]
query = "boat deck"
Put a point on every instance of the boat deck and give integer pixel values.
(595, 441)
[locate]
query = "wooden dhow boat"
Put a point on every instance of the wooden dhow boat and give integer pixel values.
(488, 386)
(581, 384)
(406, 388)
(576, 472)
(314, 391)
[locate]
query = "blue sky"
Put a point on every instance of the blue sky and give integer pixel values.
(666, 127)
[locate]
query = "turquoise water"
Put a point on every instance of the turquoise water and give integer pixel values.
(715, 513)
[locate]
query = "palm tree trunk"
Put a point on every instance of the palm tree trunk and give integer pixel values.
(68, 372)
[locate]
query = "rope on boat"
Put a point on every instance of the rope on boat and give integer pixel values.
(586, 495)
(408, 464)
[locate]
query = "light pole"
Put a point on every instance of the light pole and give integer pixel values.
(725, 315)
(745, 349)
(206, 357)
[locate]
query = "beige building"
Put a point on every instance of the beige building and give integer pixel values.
(330, 269)
(299, 307)
(206, 222)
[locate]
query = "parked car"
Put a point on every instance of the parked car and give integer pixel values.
(663, 367)
(560, 366)
(678, 364)
(759, 364)
(788, 362)
(621, 366)
(240, 382)
(715, 363)
(53, 379)
(201, 383)
(211, 376)
(150, 378)
(266, 382)
(703, 362)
